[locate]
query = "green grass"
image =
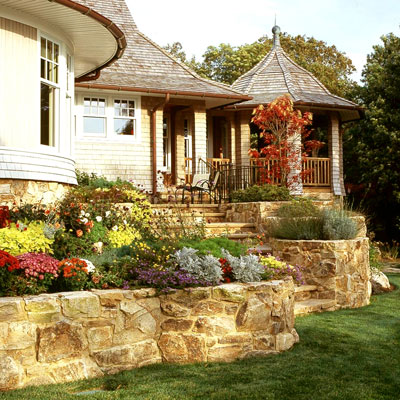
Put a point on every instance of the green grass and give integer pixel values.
(348, 354)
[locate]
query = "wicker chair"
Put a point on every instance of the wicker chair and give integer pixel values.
(202, 183)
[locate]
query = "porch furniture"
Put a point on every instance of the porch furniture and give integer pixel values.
(202, 183)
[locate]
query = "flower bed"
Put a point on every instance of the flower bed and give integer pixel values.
(69, 336)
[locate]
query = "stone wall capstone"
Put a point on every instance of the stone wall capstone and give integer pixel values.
(55, 338)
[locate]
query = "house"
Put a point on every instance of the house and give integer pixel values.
(82, 87)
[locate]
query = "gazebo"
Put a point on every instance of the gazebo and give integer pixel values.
(276, 75)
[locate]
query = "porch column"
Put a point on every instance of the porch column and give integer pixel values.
(232, 136)
(199, 135)
(243, 138)
(335, 154)
(159, 146)
(294, 176)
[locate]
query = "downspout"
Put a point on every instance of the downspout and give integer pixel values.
(154, 140)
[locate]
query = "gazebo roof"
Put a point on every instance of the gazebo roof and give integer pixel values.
(276, 74)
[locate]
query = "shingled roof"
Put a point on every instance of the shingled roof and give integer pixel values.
(276, 74)
(146, 67)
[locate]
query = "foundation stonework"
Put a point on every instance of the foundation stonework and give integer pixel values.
(30, 192)
(54, 338)
(339, 268)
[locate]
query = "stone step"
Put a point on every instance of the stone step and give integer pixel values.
(241, 237)
(230, 227)
(304, 292)
(313, 305)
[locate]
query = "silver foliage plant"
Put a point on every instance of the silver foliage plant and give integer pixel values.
(207, 268)
(244, 268)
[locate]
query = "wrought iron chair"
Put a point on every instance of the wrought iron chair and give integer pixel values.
(203, 183)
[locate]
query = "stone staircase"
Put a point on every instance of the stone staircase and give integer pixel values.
(306, 303)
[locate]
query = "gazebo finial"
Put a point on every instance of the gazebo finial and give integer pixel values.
(276, 31)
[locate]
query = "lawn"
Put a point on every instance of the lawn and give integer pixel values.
(348, 354)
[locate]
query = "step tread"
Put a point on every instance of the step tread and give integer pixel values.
(185, 205)
(230, 224)
(312, 305)
(305, 288)
(242, 235)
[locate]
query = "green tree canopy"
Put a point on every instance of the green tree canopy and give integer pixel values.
(226, 63)
(372, 146)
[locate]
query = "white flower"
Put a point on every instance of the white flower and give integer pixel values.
(82, 213)
(108, 213)
(90, 266)
(125, 222)
(84, 220)
(115, 228)
(98, 218)
(87, 215)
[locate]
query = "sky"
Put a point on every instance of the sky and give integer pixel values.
(353, 26)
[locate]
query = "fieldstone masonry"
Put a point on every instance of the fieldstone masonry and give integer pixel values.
(54, 338)
(339, 268)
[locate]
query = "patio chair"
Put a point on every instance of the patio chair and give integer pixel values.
(202, 183)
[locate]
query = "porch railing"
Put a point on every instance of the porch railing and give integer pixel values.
(316, 170)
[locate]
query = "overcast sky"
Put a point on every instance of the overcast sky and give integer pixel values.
(353, 26)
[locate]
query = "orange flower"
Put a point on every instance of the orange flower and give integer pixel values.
(79, 233)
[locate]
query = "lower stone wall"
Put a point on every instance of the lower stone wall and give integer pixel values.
(63, 337)
(339, 268)
(32, 192)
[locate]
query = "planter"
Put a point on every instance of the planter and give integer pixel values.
(54, 338)
(339, 268)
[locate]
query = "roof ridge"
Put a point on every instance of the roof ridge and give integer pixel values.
(287, 76)
(185, 67)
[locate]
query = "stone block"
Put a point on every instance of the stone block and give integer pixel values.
(177, 325)
(208, 308)
(226, 353)
(253, 315)
(12, 309)
(80, 305)
(11, 373)
(20, 335)
(100, 337)
(215, 326)
(284, 341)
(173, 309)
(61, 340)
(235, 293)
(182, 348)
(43, 309)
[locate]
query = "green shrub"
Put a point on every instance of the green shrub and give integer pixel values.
(375, 256)
(67, 244)
(337, 225)
(300, 207)
(98, 233)
(261, 193)
(214, 246)
(330, 224)
(21, 238)
(309, 228)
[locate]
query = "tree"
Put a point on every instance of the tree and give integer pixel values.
(372, 146)
(280, 126)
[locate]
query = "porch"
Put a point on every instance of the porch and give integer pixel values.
(316, 173)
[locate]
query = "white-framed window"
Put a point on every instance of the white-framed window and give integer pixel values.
(108, 116)
(94, 116)
(124, 117)
(49, 90)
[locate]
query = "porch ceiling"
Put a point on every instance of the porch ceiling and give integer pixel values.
(96, 40)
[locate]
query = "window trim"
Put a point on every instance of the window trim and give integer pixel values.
(110, 135)
(99, 116)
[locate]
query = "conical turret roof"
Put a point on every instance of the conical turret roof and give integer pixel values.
(276, 74)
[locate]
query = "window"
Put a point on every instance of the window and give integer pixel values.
(109, 116)
(49, 69)
(124, 117)
(94, 116)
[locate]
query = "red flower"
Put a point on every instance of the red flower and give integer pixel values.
(79, 233)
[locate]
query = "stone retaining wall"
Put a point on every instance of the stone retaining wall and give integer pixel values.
(339, 268)
(69, 336)
(30, 192)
